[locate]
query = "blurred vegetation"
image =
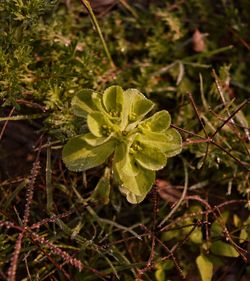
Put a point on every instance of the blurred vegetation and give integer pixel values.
(190, 58)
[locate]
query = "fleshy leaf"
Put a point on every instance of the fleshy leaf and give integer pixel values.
(205, 268)
(99, 124)
(102, 190)
(150, 158)
(131, 176)
(223, 249)
(97, 100)
(160, 275)
(168, 142)
(82, 103)
(174, 142)
(158, 140)
(113, 100)
(122, 160)
(217, 225)
(79, 156)
(196, 236)
(136, 106)
(95, 141)
(170, 234)
(140, 104)
(131, 197)
(159, 122)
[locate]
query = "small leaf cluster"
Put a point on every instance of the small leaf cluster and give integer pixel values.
(117, 127)
(212, 250)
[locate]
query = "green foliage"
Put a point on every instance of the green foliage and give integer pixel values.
(223, 249)
(205, 268)
(117, 125)
(44, 60)
(50, 55)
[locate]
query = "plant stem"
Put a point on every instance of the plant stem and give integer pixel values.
(87, 5)
(23, 117)
(48, 180)
(182, 196)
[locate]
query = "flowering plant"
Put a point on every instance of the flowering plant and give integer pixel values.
(118, 128)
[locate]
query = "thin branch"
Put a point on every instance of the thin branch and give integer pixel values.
(230, 117)
(203, 127)
(231, 155)
(241, 251)
(186, 131)
(171, 254)
(182, 196)
(51, 219)
(197, 113)
(24, 117)
(6, 123)
(152, 234)
(49, 187)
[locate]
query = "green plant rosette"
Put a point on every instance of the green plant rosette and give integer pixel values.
(118, 128)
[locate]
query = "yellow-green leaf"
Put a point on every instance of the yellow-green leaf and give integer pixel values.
(160, 275)
(80, 156)
(205, 268)
(99, 124)
(160, 121)
(174, 142)
(136, 106)
(196, 236)
(131, 176)
(95, 141)
(223, 249)
(150, 158)
(131, 197)
(113, 100)
(82, 103)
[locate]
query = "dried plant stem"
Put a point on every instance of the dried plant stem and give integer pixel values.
(209, 209)
(210, 139)
(152, 234)
(171, 255)
(230, 117)
(205, 140)
(23, 117)
(182, 196)
(48, 180)
(87, 5)
(59, 267)
(14, 259)
(203, 127)
(30, 190)
(66, 257)
(6, 123)
(51, 219)
(231, 155)
(195, 214)
(241, 251)
(125, 4)
(29, 196)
